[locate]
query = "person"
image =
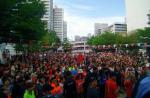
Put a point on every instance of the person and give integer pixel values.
(79, 84)
(118, 77)
(102, 81)
(91, 75)
(18, 88)
(70, 90)
(144, 90)
(92, 91)
(135, 89)
(128, 86)
(57, 91)
(39, 88)
(111, 90)
(2, 93)
(29, 93)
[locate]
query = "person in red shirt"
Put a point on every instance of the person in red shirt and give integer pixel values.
(80, 58)
(57, 89)
(111, 87)
(128, 86)
(79, 85)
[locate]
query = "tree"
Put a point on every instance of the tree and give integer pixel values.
(109, 38)
(66, 45)
(106, 38)
(50, 39)
(29, 25)
(143, 35)
(6, 20)
(21, 20)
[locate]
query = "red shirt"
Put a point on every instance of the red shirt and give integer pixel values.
(79, 84)
(80, 58)
(47, 65)
(128, 88)
(111, 89)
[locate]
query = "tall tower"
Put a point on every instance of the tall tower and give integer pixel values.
(64, 29)
(100, 27)
(136, 14)
(48, 17)
(58, 22)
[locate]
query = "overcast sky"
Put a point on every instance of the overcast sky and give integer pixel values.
(82, 14)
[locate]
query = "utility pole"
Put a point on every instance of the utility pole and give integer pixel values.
(148, 18)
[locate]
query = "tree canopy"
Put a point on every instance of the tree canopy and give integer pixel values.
(143, 36)
(21, 20)
(66, 45)
(109, 38)
(50, 39)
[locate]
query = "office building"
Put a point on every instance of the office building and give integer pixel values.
(77, 38)
(89, 35)
(80, 47)
(48, 17)
(100, 27)
(58, 22)
(136, 14)
(64, 29)
(83, 38)
(118, 28)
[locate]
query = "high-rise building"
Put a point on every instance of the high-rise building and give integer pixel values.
(89, 35)
(58, 22)
(48, 17)
(64, 29)
(77, 38)
(100, 27)
(118, 28)
(136, 14)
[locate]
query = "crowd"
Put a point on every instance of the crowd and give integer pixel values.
(65, 75)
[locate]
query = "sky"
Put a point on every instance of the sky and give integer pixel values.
(82, 14)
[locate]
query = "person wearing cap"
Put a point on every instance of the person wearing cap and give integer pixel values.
(92, 91)
(111, 87)
(92, 74)
(70, 90)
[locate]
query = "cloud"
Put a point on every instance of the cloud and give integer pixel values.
(78, 25)
(82, 7)
(72, 5)
(81, 23)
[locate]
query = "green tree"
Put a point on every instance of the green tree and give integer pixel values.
(143, 35)
(66, 45)
(106, 38)
(120, 39)
(6, 19)
(50, 38)
(29, 25)
(21, 20)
